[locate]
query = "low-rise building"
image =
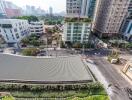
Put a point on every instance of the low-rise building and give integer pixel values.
(76, 30)
(13, 30)
(128, 69)
(37, 27)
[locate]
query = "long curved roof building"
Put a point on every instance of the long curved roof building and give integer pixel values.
(43, 70)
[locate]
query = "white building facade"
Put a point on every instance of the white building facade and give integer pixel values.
(13, 30)
(37, 27)
(76, 32)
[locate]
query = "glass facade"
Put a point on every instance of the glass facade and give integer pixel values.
(77, 32)
(130, 29)
(91, 10)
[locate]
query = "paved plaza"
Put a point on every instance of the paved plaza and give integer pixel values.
(43, 70)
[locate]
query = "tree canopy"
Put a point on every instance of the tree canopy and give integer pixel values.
(29, 18)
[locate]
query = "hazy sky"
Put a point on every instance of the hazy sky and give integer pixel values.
(58, 5)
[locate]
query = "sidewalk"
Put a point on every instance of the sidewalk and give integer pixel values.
(120, 67)
(99, 76)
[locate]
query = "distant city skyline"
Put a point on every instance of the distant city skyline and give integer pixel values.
(57, 5)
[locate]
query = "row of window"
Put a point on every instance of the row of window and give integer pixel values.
(76, 38)
(17, 36)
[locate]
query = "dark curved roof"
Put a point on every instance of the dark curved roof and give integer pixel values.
(43, 70)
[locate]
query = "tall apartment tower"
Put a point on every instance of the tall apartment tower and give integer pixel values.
(50, 11)
(109, 16)
(80, 8)
(76, 26)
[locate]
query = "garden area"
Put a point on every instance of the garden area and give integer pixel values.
(32, 40)
(87, 20)
(88, 91)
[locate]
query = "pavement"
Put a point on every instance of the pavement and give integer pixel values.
(105, 72)
(43, 70)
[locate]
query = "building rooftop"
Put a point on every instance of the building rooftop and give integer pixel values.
(11, 20)
(43, 70)
(77, 19)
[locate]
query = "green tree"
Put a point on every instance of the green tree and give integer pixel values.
(29, 18)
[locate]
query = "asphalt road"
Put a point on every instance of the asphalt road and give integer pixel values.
(117, 83)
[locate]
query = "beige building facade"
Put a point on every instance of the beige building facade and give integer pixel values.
(109, 16)
(127, 70)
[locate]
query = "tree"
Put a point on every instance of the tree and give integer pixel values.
(25, 41)
(35, 42)
(29, 18)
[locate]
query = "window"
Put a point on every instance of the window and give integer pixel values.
(15, 30)
(7, 37)
(17, 35)
(68, 34)
(130, 29)
(6, 26)
(13, 37)
(10, 30)
(68, 38)
(68, 31)
(4, 30)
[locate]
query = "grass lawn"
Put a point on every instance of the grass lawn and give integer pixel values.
(7, 98)
(67, 95)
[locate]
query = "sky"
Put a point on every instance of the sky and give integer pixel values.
(57, 5)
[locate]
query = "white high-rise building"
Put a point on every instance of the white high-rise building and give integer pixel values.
(77, 27)
(76, 32)
(109, 16)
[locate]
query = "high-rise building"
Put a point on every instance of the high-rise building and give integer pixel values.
(77, 26)
(109, 16)
(51, 11)
(80, 8)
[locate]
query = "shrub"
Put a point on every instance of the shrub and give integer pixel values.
(30, 52)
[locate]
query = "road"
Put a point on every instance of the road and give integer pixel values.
(117, 83)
